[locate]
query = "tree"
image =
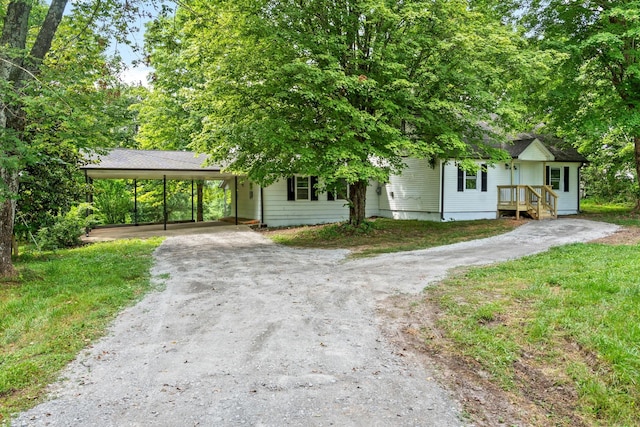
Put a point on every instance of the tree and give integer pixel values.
(596, 93)
(344, 89)
(41, 95)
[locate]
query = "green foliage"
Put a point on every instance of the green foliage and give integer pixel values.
(593, 99)
(337, 90)
(611, 175)
(66, 229)
(568, 311)
(48, 185)
(113, 200)
(61, 302)
(58, 88)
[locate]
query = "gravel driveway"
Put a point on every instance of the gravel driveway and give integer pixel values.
(247, 332)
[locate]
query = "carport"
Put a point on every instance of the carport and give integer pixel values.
(121, 163)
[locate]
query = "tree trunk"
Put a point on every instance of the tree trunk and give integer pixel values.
(15, 71)
(7, 213)
(200, 202)
(357, 202)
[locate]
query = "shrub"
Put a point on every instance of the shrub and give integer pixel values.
(66, 229)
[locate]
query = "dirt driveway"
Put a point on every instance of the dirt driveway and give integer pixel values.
(246, 332)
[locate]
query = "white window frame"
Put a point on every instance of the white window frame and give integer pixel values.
(557, 180)
(469, 178)
(301, 179)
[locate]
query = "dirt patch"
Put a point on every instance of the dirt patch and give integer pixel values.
(537, 398)
(540, 396)
(624, 236)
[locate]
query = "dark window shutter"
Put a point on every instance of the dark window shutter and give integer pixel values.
(460, 179)
(291, 188)
(330, 196)
(313, 189)
(483, 177)
(547, 178)
(566, 179)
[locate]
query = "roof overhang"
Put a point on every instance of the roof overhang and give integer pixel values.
(122, 163)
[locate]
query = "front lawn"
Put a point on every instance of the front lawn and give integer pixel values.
(60, 303)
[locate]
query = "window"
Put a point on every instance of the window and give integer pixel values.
(302, 188)
(556, 175)
(339, 191)
(468, 180)
(471, 181)
(554, 178)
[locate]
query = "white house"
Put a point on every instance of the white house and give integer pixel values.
(541, 180)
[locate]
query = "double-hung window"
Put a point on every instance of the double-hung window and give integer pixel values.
(472, 180)
(554, 178)
(302, 188)
(558, 178)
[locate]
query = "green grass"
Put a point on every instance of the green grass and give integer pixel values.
(61, 302)
(384, 235)
(572, 313)
(616, 213)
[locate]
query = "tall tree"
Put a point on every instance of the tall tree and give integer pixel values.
(596, 95)
(344, 89)
(15, 69)
(35, 103)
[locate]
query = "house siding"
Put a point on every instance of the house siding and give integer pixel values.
(281, 212)
(568, 203)
(415, 194)
(248, 206)
(472, 204)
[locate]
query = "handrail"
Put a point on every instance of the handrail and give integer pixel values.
(535, 198)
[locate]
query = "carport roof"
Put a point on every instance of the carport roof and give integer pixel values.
(122, 163)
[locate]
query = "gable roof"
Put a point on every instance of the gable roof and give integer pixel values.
(122, 163)
(561, 151)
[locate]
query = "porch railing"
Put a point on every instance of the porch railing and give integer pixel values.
(540, 201)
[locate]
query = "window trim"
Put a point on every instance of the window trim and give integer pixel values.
(558, 179)
(292, 188)
(479, 177)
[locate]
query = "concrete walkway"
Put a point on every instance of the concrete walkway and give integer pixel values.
(247, 332)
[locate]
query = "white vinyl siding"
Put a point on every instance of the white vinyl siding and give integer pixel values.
(279, 211)
(413, 195)
(472, 203)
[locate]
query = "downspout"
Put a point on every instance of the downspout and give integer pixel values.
(442, 165)
(192, 216)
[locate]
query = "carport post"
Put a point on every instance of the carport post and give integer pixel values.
(164, 200)
(192, 217)
(135, 201)
(236, 184)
